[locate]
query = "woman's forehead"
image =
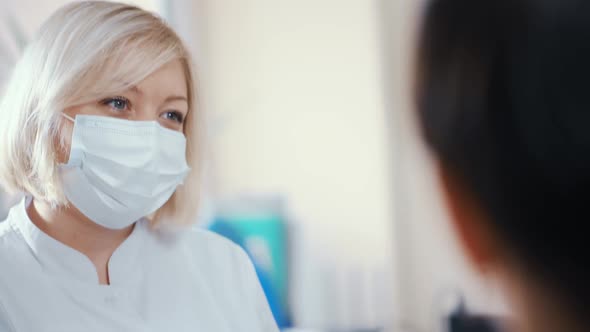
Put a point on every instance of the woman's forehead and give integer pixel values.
(169, 80)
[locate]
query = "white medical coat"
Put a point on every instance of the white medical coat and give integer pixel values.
(195, 281)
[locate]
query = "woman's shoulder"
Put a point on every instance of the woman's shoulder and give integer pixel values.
(205, 244)
(11, 239)
(201, 246)
(16, 257)
(8, 240)
(206, 256)
(6, 232)
(203, 237)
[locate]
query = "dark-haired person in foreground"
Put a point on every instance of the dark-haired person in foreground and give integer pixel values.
(503, 99)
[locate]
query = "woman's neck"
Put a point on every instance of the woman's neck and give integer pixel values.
(70, 227)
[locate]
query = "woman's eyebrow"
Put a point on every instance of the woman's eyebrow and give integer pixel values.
(175, 98)
(137, 90)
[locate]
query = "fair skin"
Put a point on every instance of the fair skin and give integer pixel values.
(536, 306)
(161, 97)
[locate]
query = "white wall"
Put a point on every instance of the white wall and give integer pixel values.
(298, 101)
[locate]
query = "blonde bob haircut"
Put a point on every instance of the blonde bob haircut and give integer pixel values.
(84, 52)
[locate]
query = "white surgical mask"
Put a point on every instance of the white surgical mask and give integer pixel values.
(119, 170)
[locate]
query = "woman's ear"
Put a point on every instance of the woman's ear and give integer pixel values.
(469, 221)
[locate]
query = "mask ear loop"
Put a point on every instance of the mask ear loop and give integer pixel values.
(68, 117)
(72, 162)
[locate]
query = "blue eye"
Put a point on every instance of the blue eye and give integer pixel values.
(117, 103)
(174, 116)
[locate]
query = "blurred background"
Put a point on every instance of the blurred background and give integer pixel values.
(313, 161)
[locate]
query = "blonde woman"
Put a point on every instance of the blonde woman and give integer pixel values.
(98, 127)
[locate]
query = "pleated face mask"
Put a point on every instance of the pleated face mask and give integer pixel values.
(120, 170)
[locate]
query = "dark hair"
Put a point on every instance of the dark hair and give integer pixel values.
(504, 103)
